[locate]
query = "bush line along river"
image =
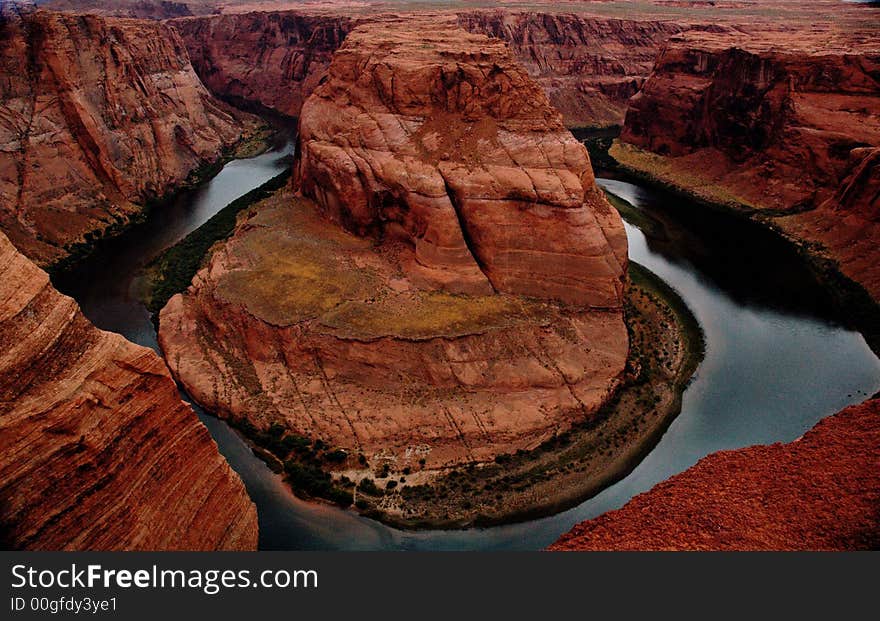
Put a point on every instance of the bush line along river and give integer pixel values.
(777, 359)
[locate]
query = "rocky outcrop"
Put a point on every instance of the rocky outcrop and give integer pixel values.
(97, 117)
(447, 143)
(97, 450)
(588, 66)
(778, 129)
(269, 59)
(820, 492)
(408, 337)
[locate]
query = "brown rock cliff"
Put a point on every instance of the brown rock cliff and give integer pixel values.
(97, 116)
(97, 450)
(405, 338)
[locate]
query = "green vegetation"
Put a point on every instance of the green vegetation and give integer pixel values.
(300, 459)
(173, 271)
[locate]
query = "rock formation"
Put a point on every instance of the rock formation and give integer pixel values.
(408, 337)
(820, 492)
(780, 129)
(269, 59)
(588, 66)
(97, 117)
(448, 143)
(97, 450)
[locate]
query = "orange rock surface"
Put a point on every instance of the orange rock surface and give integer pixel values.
(820, 492)
(405, 338)
(97, 450)
(424, 132)
(97, 116)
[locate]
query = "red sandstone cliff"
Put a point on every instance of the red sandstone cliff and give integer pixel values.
(821, 492)
(97, 116)
(272, 59)
(408, 336)
(781, 129)
(589, 66)
(97, 451)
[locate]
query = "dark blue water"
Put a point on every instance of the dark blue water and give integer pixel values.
(778, 357)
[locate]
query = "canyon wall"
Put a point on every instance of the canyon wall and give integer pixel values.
(820, 492)
(383, 311)
(588, 66)
(271, 59)
(97, 450)
(782, 129)
(97, 117)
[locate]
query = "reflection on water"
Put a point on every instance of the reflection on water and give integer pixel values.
(777, 359)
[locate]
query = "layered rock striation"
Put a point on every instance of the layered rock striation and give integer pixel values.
(589, 66)
(765, 124)
(448, 144)
(97, 117)
(447, 288)
(820, 492)
(97, 450)
(272, 59)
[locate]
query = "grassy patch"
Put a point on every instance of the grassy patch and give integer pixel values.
(428, 315)
(173, 271)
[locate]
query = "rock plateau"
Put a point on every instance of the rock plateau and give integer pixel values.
(448, 286)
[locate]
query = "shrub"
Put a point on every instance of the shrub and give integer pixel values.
(368, 486)
(336, 456)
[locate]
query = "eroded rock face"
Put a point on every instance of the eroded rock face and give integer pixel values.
(441, 138)
(588, 66)
(780, 129)
(409, 335)
(270, 59)
(97, 116)
(819, 492)
(97, 450)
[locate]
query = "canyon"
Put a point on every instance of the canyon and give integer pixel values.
(820, 492)
(98, 118)
(97, 450)
(588, 66)
(395, 326)
(444, 284)
(788, 132)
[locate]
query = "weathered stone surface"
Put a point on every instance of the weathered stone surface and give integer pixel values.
(407, 337)
(97, 116)
(820, 492)
(778, 124)
(589, 66)
(97, 450)
(426, 132)
(270, 59)
(296, 322)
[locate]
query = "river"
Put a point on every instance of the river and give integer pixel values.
(778, 358)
